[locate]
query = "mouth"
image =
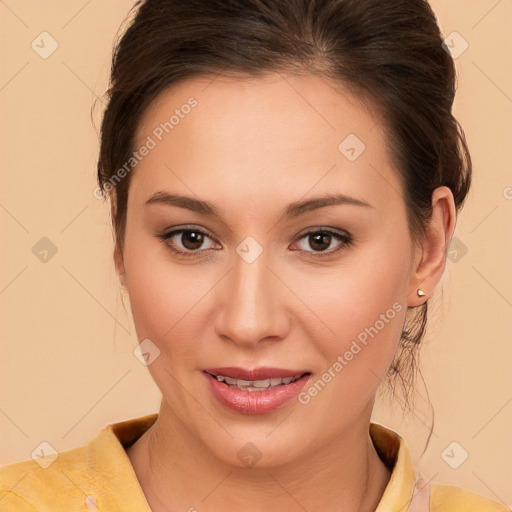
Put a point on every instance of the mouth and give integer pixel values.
(257, 380)
(257, 391)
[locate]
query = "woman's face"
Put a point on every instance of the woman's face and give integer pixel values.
(259, 286)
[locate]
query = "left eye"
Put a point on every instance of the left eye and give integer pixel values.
(322, 240)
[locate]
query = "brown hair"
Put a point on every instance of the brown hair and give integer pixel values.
(387, 52)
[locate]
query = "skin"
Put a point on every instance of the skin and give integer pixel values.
(251, 147)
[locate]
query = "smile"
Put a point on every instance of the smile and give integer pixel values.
(256, 385)
(258, 391)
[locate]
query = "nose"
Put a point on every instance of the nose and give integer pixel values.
(253, 306)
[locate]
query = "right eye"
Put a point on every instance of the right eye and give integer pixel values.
(191, 239)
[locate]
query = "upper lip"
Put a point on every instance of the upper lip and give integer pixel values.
(261, 373)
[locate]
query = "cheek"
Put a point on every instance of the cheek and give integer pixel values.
(366, 310)
(363, 303)
(367, 290)
(166, 299)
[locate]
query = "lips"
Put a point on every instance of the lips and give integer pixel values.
(254, 374)
(257, 391)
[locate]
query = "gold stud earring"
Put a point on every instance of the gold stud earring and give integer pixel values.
(421, 293)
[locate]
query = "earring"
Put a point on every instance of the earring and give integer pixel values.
(421, 293)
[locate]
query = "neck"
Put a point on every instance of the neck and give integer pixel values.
(177, 472)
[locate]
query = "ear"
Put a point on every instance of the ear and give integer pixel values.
(117, 254)
(431, 252)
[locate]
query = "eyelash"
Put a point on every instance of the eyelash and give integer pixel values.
(345, 238)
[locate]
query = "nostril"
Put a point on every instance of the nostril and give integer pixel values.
(91, 503)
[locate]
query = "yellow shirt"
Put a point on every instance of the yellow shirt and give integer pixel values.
(99, 476)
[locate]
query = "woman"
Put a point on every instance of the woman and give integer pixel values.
(284, 180)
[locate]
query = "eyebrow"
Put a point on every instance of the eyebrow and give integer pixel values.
(292, 210)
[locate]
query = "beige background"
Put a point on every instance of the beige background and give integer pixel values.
(67, 363)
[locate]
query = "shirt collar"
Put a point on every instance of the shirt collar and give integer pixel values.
(394, 452)
(110, 464)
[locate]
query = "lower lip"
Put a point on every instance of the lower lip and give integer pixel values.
(255, 402)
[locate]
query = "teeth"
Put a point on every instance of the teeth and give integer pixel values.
(256, 385)
(263, 383)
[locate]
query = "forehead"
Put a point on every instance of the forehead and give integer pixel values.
(273, 135)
